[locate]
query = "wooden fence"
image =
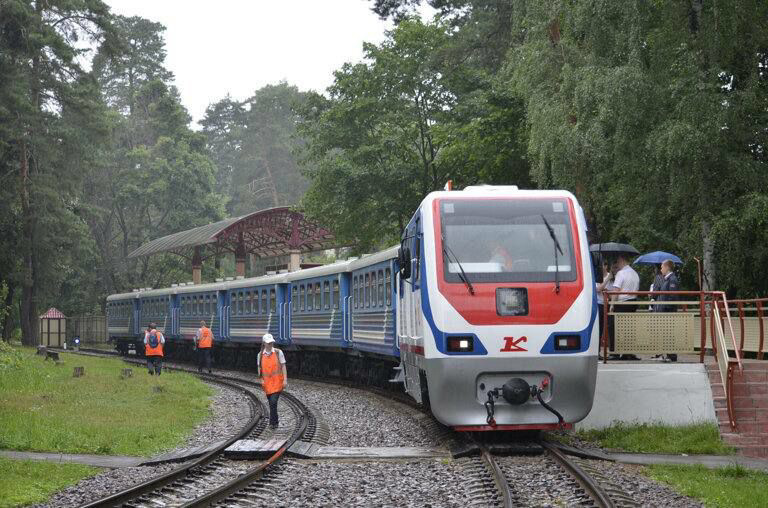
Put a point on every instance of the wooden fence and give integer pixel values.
(92, 329)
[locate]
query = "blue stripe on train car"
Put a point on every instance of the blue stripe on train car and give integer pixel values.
(316, 316)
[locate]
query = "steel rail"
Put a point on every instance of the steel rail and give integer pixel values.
(499, 479)
(233, 487)
(590, 486)
(125, 495)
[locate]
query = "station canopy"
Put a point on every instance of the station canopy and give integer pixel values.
(266, 233)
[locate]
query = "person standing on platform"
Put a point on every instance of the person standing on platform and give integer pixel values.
(273, 374)
(670, 283)
(599, 288)
(626, 279)
(153, 350)
(204, 345)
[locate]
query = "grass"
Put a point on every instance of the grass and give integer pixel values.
(25, 482)
(698, 439)
(43, 408)
(724, 487)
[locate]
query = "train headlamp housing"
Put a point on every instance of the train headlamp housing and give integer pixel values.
(460, 344)
(567, 343)
(512, 301)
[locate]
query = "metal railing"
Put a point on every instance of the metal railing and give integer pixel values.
(713, 307)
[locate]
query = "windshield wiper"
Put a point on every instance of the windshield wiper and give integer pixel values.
(463, 276)
(557, 248)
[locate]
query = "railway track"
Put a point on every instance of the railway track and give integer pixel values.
(213, 478)
(552, 478)
(519, 480)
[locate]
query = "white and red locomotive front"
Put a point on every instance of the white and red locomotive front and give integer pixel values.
(497, 309)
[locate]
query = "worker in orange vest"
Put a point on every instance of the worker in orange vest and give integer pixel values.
(274, 377)
(153, 350)
(204, 345)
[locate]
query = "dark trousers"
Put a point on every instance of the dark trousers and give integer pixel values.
(272, 398)
(155, 364)
(611, 321)
(203, 357)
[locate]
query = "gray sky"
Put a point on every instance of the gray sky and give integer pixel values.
(238, 46)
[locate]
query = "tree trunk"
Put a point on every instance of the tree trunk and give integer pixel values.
(8, 319)
(708, 246)
(27, 309)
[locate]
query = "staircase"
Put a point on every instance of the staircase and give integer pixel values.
(750, 407)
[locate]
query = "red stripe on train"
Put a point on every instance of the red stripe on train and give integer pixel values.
(486, 428)
(419, 350)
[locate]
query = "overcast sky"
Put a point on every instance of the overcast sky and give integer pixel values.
(238, 46)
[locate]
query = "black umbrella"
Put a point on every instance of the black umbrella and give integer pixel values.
(613, 248)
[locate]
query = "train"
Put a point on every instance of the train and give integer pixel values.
(485, 312)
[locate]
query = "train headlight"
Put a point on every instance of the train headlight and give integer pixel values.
(567, 343)
(512, 301)
(461, 344)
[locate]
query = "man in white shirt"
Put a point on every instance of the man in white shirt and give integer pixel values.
(626, 279)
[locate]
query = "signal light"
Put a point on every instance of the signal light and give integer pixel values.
(461, 344)
(568, 342)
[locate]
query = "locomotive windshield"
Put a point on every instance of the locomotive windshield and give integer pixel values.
(495, 240)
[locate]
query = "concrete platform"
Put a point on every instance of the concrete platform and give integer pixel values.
(108, 461)
(651, 392)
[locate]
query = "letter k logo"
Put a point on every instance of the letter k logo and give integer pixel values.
(511, 344)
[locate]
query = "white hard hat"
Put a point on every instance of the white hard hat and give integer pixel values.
(267, 338)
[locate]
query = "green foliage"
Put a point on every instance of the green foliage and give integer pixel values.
(43, 408)
(10, 357)
(374, 148)
(703, 438)
(253, 145)
(724, 487)
(24, 482)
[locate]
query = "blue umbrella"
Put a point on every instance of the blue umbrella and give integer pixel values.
(657, 257)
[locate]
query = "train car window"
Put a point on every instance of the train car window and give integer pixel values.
(326, 295)
(210, 310)
(200, 309)
(335, 293)
(318, 297)
(374, 291)
(263, 299)
(248, 301)
(272, 300)
(240, 303)
(301, 298)
(381, 288)
(294, 292)
(367, 291)
(354, 290)
(310, 298)
(388, 287)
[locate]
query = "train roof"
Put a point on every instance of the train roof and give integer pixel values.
(263, 280)
(495, 191)
(372, 259)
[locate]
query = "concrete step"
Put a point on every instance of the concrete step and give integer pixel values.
(739, 440)
(750, 401)
(754, 451)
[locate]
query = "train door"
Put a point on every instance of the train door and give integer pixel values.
(283, 300)
(345, 307)
(221, 327)
(410, 338)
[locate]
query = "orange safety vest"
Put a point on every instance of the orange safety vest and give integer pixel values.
(271, 373)
(154, 351)
(206, 338)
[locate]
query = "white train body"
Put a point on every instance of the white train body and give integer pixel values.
(548, 338)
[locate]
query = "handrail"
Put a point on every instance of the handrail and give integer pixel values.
(724, 364)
